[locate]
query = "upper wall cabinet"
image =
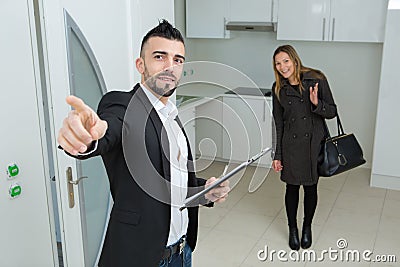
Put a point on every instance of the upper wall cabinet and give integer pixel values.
(332, 20)
(251, 10)
(207, 18)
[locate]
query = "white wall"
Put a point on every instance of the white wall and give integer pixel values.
(144, 17)
(353, 70)
(26, 226)
(385, 169)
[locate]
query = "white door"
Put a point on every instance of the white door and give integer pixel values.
(75, 66)
(84, 204)
(89, 49)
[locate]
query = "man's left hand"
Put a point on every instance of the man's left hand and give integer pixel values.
(218, 194)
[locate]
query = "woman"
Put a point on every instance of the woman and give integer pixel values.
(302, 100)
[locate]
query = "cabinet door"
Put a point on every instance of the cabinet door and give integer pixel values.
(187, 117)
(206, 18)
(306, 20)
(251, 10)
(247, 128)
(209, 129)
(366, 23)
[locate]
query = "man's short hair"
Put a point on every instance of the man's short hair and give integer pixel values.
(165, 30)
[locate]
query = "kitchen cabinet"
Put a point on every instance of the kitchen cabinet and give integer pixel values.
(247, 127)
(187, 115)
(332, 20)
(207, 18)
(252, 10)
(229, 127)
(209, 127)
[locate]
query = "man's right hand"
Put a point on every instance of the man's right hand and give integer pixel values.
(80, 128)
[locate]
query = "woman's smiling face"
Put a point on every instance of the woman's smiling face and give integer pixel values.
(285, 66)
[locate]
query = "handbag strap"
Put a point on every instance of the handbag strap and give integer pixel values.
(327, 133)
(339, 127)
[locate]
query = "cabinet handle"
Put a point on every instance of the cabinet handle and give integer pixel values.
(225, 30)
(323, 28)
(264, 109)
(272, 10)
(333, 29)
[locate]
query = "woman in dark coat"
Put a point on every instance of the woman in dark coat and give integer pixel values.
(302, 100)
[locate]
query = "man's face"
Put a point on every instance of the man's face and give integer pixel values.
(161, 65)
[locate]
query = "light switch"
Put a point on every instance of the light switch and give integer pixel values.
(15, 190)
(12, 170)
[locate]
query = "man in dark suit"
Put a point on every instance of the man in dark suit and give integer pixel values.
(147, 158)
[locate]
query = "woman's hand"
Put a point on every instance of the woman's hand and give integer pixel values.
(277, 165)
(314, 94)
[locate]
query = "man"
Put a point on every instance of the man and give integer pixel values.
(147, 158)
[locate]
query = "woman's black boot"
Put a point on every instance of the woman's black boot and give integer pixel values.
(306, 238)
(294, 242)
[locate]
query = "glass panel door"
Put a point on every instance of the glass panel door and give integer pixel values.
(87, 83)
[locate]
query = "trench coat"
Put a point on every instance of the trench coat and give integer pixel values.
(299, 128)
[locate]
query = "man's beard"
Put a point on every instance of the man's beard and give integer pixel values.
(163, 89)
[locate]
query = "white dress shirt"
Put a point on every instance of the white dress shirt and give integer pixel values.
(178, 165)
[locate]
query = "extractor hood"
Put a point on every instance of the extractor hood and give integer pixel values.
(250, 26)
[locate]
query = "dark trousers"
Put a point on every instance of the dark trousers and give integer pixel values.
(292, 203)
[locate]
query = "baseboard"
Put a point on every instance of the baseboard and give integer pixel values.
(384, 181)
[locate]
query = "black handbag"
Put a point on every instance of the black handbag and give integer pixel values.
(339, 153)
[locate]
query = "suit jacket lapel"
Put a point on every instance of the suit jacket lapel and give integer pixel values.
(158, 127)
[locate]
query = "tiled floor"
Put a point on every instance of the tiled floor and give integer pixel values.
(233, 233)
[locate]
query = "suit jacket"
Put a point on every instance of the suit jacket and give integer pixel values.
(135, 154)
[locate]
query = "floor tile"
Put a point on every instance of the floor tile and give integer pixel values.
(209, 217)
(393, 195)
(391, 208)
(222, 248)
(233, 233)
(265, 205)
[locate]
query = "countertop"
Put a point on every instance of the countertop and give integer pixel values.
(183, 99)
(251, 91)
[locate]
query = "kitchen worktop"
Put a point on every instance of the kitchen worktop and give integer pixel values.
(185, 99)
(253, 91)
(190, 98)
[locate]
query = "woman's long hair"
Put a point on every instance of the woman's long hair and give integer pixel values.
(299, 69)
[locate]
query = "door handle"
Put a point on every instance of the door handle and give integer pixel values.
(70, 187)
(76, 182)
(323, 29)
(333, 29)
